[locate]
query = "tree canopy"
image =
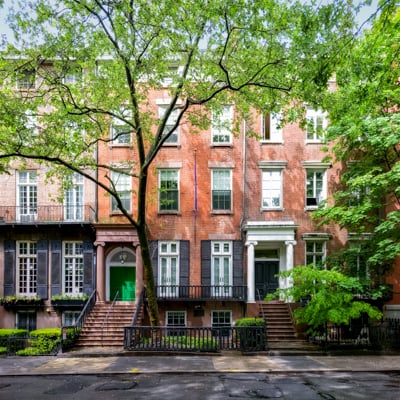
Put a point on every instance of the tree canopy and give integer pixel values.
(94, 61)
(365, 127)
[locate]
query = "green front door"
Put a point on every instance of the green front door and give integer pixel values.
(123, 281)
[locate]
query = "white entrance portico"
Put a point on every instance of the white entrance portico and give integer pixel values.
(270, 247)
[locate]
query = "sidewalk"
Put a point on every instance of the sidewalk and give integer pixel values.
(172, 364)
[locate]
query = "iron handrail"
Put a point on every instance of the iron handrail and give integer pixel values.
(138, 308)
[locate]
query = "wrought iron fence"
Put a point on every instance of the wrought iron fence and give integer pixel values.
(195, 339)
(384, 335)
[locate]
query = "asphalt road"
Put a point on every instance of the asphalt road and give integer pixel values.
(204, 386)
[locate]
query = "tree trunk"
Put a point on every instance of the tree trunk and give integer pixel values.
(149, 276)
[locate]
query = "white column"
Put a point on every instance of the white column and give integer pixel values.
(289, 260)
(251, 290)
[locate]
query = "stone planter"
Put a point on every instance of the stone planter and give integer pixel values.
(22, 304)
(68, 304)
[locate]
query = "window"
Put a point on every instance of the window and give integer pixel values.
(26, 268)
(26, 320)
(120, 131)
(26, 79)
(271, 188)
(221, 268)
(31, 123)
(73, 268)
(168, 190)
(271, 129)
(221, 190)
(316, 125)
(72, 75)
(69, 318)
(27, 196)
(315, 188)
(73, 199)
(221, 126)
(168, 269)
(170, 124)
(123, 185)
(315, 253)
(176, 319)
(221, 319)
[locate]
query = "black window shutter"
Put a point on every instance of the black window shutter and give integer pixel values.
(205, 250)
(42, 286)
(88, 267)
(56, 267)
(238, 278)
(9, 267)
(184, 262)
(153, 244)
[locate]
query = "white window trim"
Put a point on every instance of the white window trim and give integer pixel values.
(178, 189)
(130, 192)
(219, 211)
(217, 131)
(316, 166)
(276, 134)
(170, 122)
(221, 255)
(18, 275)
(169, 255)
(314, 114)
(74, 256)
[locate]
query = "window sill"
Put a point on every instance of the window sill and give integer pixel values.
(272, 142)
(119, 145)
(177, 145)
(262, 209)
(321, 141)
(169, 212)
(213, 145)
(221, 212)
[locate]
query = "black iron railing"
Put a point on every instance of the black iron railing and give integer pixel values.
(201, 292)
(47, 214)
(70, 333)
(195, 339)
(385, 334)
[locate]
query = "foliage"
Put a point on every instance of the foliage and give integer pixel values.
(81, 296)
(250, 322)
(365, 125)
(261, 54)
(3, 350)
(329, 297)
(189, 342)
(43, 341)
(6, 333)
(17, 299)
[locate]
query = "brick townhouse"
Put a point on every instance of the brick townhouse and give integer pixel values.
(226, 212)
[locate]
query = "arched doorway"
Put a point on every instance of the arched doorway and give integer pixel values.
(121, 275)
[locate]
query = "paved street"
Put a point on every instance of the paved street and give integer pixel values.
(195, 377)
(199, 386)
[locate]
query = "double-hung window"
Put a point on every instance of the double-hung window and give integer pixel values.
(271, 129)
(221, 125)
(221, 189)
(123, 185)
(168, 189)
(168, 269)
(173, 139)
(316, 253)
(73, 268)
(316, 183)
(316, 125)
(27, 196)
(221, 322)
(121, 131)
(221, 268)
(176, 319)
(26, 79)
(73, 199)
(26, 268)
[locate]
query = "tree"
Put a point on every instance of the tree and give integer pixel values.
(259, 54)
(365, 125)
(331, 297)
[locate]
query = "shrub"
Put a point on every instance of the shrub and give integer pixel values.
(250, 322)
(6, 333)
(3, 350)
(29, 351)
(44, 341)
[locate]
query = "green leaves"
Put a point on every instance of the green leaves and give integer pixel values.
(330, 297)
